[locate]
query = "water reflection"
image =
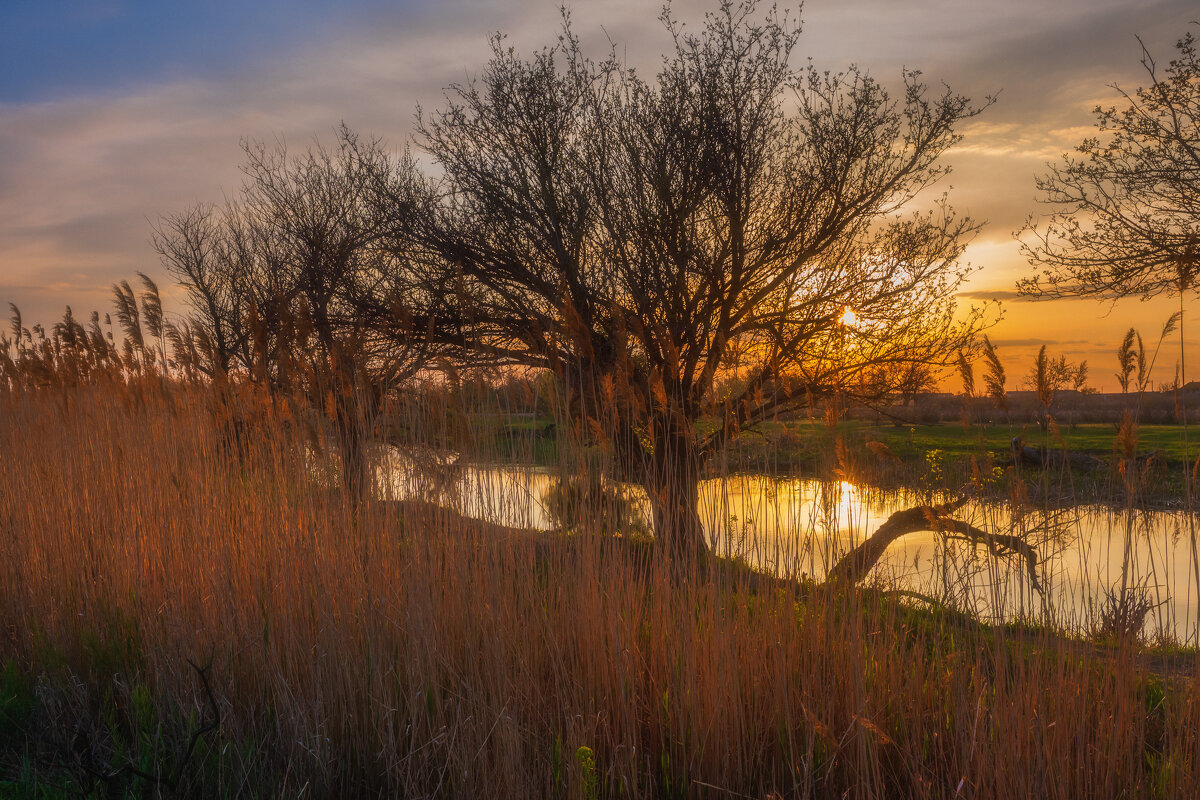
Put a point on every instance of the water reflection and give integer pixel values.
(799, 528)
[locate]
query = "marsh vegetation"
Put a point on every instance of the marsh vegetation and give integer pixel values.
(401, 646)
(567, 474)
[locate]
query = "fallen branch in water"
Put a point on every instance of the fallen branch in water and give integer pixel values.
(855, 565)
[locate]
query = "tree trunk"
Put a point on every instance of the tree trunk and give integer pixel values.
(353, 430)
(352, 448)
(674, 489)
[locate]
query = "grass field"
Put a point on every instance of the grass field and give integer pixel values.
(1094, 439)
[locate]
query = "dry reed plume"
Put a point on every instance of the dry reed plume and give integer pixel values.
(400, 650)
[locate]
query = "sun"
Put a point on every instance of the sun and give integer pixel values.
(848, 318)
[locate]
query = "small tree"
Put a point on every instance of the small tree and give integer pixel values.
(1050, 376)
(300, 285)
(1126, 218)
(631, 235)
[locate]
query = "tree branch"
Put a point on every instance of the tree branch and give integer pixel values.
(855, 565)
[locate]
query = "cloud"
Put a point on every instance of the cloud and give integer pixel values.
(997, 294)
(1035, 342)
(84, 178)
(1013, 296)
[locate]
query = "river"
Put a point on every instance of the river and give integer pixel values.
(800, 527)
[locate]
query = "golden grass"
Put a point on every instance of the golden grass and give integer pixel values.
(398, 650)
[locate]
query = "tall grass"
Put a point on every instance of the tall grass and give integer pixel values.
(399, 649)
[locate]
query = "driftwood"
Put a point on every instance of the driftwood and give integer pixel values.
(853, 566)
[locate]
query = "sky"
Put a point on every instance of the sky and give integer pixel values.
(114, 113)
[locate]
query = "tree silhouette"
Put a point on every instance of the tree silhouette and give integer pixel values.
(1126, 205)
(300, 285)
(633, 235)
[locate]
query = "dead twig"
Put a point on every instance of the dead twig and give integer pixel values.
(171, 782)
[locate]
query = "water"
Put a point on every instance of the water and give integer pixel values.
(800, 528)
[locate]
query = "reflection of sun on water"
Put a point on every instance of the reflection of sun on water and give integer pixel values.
(847, 501)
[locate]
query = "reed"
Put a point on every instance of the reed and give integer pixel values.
(400, 649)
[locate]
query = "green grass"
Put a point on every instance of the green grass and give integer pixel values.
(1093, 439)
(804, 446)
(912, 442)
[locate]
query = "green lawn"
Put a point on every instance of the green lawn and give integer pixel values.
(1094, 439)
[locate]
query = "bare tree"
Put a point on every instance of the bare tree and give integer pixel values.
(633, 234)
(1049, 376)
(300, 284)
(1126, 218)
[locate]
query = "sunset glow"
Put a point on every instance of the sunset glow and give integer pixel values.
(407, 399)
(99, 103)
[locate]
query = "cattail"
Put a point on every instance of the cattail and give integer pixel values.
(1143, 374)
(842, 453)
(152, 311)
(883, 451)
(18, 328)
(1125, 446)
(96, 335)
(1080, 376)
(1042, 386)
